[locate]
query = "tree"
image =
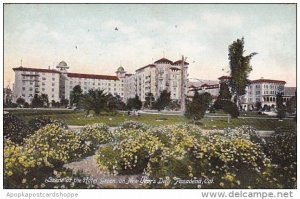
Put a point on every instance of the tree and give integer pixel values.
(95, 100)
(230, 108)
(75, 95)
(44, 100)
(281, 109)
(36, 101)
(115, 103)
(240, 68)
(164, 100)
(134, 103)
(64, 102)
(258, 106)
(149, 100)
(291, 104)
(20, 101)
(196, 108)
(224, 94)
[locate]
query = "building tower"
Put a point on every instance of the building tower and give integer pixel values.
(62, 68)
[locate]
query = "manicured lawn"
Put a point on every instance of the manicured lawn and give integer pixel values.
(79, 118)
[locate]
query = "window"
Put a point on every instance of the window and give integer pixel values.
(44, 78)
(71, 82)
(31, 83)
(53, 84)
(30, 89)
(43, 89)
(52, 96)
(53, 79)
(23, 88)
(52, 89)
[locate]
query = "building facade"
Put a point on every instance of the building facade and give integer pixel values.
(58, 83)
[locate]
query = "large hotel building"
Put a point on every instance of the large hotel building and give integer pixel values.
(163, 74)
(58, 83)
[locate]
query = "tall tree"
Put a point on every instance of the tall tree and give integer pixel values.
(281, 109)
(196, 108)
(240, 68)
(164, 100)
(75, 95)
(95, 100)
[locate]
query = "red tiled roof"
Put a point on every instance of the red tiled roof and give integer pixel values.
(268, 81)
(90, 76)
(149, 65)
(224, 77)
(179, 62)
(163, 60)
(36, 70)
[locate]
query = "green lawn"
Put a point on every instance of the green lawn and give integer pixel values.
(79, 118)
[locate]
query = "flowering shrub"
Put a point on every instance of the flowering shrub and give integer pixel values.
(129, 155)
(93, 135)
(15, 129)
(42, 156)
(56, 145)
(281, 148)
(39, 122)
(173, 152)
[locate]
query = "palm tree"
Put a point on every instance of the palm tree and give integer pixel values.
(95, 100)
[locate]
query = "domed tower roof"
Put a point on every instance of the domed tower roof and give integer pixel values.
(121, 69)
(62, 66)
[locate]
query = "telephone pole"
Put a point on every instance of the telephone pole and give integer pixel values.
(182, 104)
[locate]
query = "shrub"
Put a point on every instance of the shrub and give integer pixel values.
(94, 135)
(281, 148)
(23, 169)
(175, 152)
(129, 155)
(56, 145)
(39, 122)
(15, 129)
(230, 108)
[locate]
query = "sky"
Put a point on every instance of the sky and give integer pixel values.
(84, 36)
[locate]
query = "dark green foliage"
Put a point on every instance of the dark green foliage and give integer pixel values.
(115, 103)
(39, 101)
(239, 66)
(196, 108)
(95, 100)
(134, 103)
(281, 108)
(230, 108)
(75, 95)
(39, 122)
(64, 102)
(15, 129)
(291, 105)
(224, 93)
(281, 148)
(20, 101)
(163, 101)
(258, 106)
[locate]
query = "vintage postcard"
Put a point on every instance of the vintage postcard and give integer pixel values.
(149, 96)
